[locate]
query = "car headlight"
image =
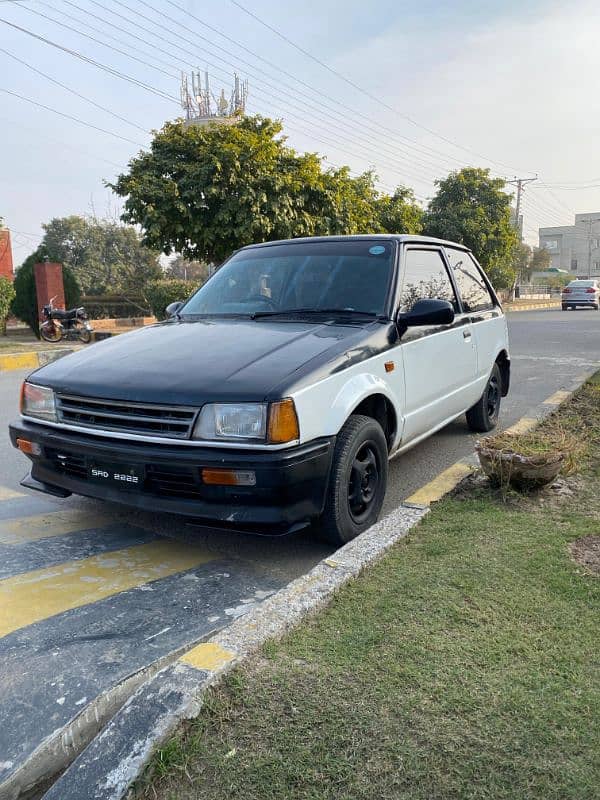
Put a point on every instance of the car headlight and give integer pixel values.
(38, 401)
(276, 423)
(235, 421)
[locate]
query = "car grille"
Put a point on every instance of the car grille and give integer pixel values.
(67, 463)
(173, 422)
(170, 481)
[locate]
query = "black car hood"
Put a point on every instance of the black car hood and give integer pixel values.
(189, 363)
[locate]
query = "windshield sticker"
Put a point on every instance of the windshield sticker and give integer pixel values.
(377, 250)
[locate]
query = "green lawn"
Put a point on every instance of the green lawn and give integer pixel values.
(463, 665)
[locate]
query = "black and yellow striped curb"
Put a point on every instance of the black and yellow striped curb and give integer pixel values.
(510, 309)
(32, 359)
(116, 757)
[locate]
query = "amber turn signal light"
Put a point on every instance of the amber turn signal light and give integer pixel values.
(29, 448)
(229, 477)
(283, 422)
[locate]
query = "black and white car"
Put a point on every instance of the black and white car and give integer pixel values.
(274, 397)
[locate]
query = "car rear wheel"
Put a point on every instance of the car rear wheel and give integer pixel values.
(358, 480)
(483, 416)
(565, 308)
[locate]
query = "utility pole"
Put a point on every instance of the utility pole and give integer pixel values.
(520, 183)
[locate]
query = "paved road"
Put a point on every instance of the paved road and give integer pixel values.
(91, 593)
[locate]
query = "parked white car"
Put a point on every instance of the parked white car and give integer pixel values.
(581, 293)
(273, 398)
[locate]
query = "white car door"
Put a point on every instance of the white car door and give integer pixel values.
(440, 361)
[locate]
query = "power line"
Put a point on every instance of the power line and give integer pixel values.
(362, 90)
(73, 91)
(69, 116)
(91, 61)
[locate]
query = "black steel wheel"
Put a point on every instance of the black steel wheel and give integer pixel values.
(483, 416)
(358, 480)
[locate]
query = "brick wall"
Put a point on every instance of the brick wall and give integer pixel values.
(6, 261)
(48, 284)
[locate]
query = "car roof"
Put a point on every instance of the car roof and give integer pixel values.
(396, 237)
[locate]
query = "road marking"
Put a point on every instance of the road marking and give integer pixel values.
(9, 494)
(208, 656)
(34, 596)
(523, 425)
(19, 361)
(440, 485)
(51, 523)
(557, 398)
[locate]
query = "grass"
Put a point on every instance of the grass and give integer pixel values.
(462, 666)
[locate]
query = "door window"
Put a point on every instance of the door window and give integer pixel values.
(425, 277)
(472, 288)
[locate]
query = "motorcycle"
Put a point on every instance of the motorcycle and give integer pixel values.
(68, 325)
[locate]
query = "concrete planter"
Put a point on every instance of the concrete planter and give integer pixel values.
(507, 467)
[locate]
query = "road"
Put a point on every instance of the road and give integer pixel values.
(92, 593)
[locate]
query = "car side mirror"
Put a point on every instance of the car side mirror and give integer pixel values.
(172, 309)
(427, 312)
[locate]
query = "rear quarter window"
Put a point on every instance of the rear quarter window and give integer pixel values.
(472, 287)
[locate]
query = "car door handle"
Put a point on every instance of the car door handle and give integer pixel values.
(466, 335)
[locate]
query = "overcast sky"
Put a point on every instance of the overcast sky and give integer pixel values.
(512, 86)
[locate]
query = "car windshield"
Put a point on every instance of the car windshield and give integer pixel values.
(299, 278)
(581, 284)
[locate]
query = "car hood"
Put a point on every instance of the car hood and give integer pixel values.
(189, 363)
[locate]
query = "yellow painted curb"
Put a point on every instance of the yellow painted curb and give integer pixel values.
(208, 656)
(557, 398)
(440, 485)
(9, 494)
(13, 361)
(523, 425)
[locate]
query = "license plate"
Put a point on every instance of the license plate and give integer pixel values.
(123, 476)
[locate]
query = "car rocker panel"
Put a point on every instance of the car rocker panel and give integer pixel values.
(273, 418)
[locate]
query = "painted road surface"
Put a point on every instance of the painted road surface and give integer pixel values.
(92, 595)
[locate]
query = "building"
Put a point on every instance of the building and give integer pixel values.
(575, 248)
(6, 260)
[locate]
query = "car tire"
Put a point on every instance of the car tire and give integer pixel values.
(360, 454)
(565, 308)
(483, 416)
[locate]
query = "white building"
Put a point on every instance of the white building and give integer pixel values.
(575, 248)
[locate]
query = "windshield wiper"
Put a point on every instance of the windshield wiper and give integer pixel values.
(295, 312)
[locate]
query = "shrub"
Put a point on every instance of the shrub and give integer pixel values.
(7, 295)
(24, 306)
(168, 290)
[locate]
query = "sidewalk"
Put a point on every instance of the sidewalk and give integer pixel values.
(463, 665)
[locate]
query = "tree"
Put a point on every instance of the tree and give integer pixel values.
(399, 213)
(206, 191)
(540, 259)
(521, 261)
(181, 269)
(25, 306)
(471, 207)
(104, 255)
(7, 295)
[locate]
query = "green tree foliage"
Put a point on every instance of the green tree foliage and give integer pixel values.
(206, 191)
(540, 259)
(521, 261)
(7, 295)
(24, 305)
(105, 256)
(471, 207)
(399, 213)
(182, 269)
(162, 292)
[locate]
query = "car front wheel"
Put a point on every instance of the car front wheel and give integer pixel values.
(358, 480)
(483, 416)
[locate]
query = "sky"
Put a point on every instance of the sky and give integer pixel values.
(410, 89)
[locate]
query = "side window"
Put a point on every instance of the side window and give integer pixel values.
(473, 291)
(425, 277)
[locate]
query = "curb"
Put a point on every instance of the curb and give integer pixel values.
(32, 359)
(510, 309)
(116, 757)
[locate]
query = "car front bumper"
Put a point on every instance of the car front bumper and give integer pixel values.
(289, 492)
